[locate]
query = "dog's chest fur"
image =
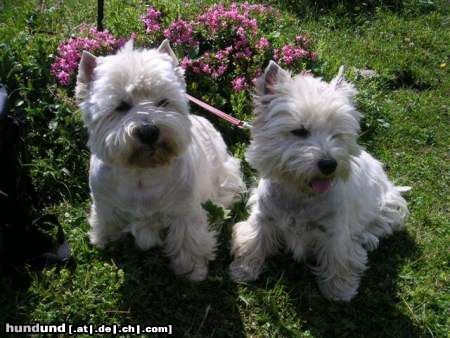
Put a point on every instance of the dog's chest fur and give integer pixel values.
(140, 193)
(299, 212)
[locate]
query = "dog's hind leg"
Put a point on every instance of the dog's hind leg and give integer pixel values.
(393, 213)
(190, 244)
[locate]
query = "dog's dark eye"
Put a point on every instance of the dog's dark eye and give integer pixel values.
(123, 107)
(301, 132)
(162, 103)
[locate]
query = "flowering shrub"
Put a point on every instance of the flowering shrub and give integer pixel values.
(151, 20)
(69, 52)
(223, 49)
(239, 83)
(180, 33)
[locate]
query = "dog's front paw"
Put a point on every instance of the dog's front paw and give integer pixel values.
(339, 289)
(199, 273)
(97, 240)
(243, 272)
(370, 241)
(194, 271)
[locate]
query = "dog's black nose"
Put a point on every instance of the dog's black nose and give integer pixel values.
(327, 166)
(147, 133)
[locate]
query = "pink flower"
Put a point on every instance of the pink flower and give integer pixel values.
(289, 54)
(220, 71)
(239, 84)
(243, 54)
(313, 56)
(207, 65)
(302, 41)
(186, 63)
(151, 20)
(256, 76)
(196, 69)
(180, 32)
(69, 52)
(63, 78)
(206, 69)
(276, 54)
(256, 8)
(222, 54)
(219, 17)
(241, 45)
(240, 32)
(263, 43)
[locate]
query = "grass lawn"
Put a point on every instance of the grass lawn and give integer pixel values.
(404, 293)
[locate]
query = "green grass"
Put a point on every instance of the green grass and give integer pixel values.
(406, 290)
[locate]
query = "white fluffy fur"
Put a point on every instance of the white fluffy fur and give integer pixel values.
(338, 226)
(145, 190)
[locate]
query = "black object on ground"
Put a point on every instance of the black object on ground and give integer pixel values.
(24, 237)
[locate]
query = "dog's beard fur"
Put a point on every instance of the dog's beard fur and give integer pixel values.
(334, 215)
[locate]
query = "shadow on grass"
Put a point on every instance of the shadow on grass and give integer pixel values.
(153, 295)
(13, 290)
(374, 312)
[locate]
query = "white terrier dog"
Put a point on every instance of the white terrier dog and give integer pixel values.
(152, 164)
(320, 193)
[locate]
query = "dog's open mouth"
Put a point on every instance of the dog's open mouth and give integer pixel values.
(320, 185)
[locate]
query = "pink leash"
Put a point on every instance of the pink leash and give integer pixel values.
(234, 121)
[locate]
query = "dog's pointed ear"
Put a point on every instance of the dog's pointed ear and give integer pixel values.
(85, 75)
(273, 74)
(86, 67)
(339, 78)
(128, 46)
(166, 49)
(340, 83)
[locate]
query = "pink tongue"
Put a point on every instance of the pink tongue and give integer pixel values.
(320, 185)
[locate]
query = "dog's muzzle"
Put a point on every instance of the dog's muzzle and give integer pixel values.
(147, 134)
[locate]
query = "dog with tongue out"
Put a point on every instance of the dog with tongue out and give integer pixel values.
(320, 194)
